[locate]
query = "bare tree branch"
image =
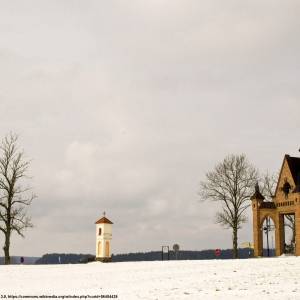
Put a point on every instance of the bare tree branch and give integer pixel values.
(269, 182)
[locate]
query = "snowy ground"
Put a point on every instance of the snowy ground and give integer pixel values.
(268, 278)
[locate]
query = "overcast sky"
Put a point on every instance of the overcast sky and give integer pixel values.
(123, 106)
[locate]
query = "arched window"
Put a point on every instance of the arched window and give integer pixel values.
(107, 250)
(286, 188)
(100, 231)
(99, 249)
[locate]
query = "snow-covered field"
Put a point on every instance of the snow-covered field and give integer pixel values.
(268, 278)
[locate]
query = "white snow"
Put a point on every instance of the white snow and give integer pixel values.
(266, 278)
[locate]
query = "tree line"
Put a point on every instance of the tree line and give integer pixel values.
(71, 258)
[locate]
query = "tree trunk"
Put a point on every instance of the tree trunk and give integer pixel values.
(6, 249)
(235, 243)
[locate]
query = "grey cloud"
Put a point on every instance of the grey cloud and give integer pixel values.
(124, 107)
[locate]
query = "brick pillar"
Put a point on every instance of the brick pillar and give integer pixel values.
(279, 234)
(257, 232)
(297, 223)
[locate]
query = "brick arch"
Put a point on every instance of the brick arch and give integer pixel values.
(262, 218)
(266, 215)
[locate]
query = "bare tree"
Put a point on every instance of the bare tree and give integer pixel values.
(269, 182)
(14, 197)
(291, 224)
(231, 183)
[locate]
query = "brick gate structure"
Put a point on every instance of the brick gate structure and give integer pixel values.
(286, 201)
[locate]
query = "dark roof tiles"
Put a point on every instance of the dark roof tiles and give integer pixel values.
(104, 220)
(294, 165)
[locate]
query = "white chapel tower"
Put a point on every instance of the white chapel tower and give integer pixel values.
(103, 239)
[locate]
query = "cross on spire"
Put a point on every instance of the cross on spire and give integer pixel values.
(104, 213)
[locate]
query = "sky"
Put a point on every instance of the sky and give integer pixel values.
(123, 106)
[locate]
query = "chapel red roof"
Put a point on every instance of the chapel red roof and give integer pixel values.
(104, 220)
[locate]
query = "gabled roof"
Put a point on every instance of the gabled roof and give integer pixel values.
(104, 220)
(294, 165)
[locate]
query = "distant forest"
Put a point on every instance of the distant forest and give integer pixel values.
(62, 258)
(70, 258)
(181, 255)
(15, 260)
(56, 258)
